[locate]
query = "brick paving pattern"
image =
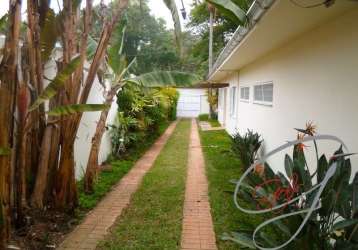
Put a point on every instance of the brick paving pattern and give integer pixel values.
(98, 222)
(198, 231)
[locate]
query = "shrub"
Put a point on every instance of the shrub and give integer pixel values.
(203, 117)
(141, 112)
(246, 147)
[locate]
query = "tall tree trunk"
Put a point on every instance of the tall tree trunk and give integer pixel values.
(66, 190)
(37, 199)
(8, 87)
(92, 164)
(66, 166)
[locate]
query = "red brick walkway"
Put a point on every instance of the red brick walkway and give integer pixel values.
(96, 224)
(198, 232)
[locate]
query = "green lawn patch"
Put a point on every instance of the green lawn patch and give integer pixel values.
(222, 166)
(214, 123)
(106, 180)
(153, 219)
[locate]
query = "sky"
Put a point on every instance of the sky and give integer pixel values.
(158, 9)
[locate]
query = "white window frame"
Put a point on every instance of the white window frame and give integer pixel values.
(233, 101)
(266, 103)
(241, 89)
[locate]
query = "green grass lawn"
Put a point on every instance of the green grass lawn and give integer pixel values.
(119, 168)
(214, 123)
(153, 219)
(222, 166)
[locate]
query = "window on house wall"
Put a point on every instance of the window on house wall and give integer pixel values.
(233, 101)
(245, 94)
(263, 93)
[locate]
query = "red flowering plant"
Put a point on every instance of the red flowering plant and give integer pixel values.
(304, 210)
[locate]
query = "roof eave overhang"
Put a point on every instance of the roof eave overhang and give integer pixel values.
(274, 25)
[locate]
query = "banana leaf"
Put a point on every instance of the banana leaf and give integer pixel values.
(171, 5)
(77, 108)
(167, 78)
(228, 7)
(56, 84)
(49, 35)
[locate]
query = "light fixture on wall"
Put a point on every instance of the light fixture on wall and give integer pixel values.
(182, 10)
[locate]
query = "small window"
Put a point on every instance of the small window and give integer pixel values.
(263, 93)
(233, 101)
(245, 93)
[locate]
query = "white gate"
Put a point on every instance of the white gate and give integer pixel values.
(192, 102)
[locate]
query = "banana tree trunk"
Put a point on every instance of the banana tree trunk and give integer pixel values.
(8, 89)
(37, 199)
(66, 190)
(92, 165)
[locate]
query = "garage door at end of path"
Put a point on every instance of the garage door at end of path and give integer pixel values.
(192, 103)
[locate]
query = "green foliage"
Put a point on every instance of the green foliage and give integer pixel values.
(203, 117)
(141, 112)
(232, 9)
(57, 83)
(222, 165)
(333, 226)
(167, 78)
(48, 35)
(76, 108)
(173, 96)
(107, 179)
(3, 23)
(246, 147)
(171, 5)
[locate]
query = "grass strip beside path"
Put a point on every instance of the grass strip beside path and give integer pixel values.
(153, 220)
(221, 167)
(107, 179)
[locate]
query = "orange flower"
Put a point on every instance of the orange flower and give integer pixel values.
(300, 146)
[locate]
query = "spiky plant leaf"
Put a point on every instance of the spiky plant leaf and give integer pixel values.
(56, 84)
(167, 78)
(288, 165)
(240, 238)
(4, 151)
(355, 197)
(77, 108)
(344, 223)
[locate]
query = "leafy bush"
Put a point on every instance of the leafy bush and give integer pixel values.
(246, 147)
(141, 112)
(203, 117)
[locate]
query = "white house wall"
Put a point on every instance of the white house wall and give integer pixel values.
(315, 78)
(88, 125)
(87, 129)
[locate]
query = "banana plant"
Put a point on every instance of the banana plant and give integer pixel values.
(171, 5)
(233, 9)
